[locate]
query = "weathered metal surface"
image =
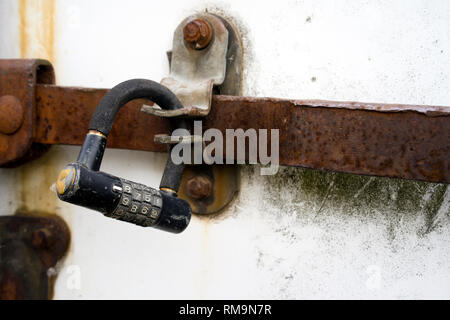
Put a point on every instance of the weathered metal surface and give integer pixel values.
(18, 78)
(411, 142)
(194, 73)
(29, 247)
(198, 34)
(11, 114)
(64, 115)
(402, 141)
(231, 85)
(209, 188)
(199, 187)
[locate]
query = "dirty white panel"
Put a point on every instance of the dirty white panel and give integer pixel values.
(9, 29)
(300, 234)
(9, 48)
(9, 202)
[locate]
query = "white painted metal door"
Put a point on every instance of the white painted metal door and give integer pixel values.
(298, 234)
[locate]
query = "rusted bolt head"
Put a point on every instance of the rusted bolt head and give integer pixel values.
(199, 187)
(197, 34)
(42, 238)
(11, 114)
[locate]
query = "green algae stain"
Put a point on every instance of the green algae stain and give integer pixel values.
(321, 193)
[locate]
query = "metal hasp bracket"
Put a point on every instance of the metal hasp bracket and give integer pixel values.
(206, 57)
(30, 247)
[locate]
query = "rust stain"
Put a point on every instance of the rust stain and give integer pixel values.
(130, 129)
(37, 41)
(10, 287)
(402, 141)
(36, 178)
(11, 114)
(22, 26)
(37, 29)
(30, 245)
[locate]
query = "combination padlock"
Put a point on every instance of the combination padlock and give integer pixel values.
(82, 183)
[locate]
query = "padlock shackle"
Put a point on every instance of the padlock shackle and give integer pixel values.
(103, 117)
(91, 153)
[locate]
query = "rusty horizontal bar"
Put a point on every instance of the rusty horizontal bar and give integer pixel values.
(402, 141)
(411, 142)
(64, 113)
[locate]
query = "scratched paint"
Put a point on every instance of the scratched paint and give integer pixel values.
(301, 233)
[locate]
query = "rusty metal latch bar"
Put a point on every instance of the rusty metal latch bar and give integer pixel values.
(401, 141)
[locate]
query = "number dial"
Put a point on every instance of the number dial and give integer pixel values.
(138, 204)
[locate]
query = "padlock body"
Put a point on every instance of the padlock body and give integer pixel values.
(123, 199)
